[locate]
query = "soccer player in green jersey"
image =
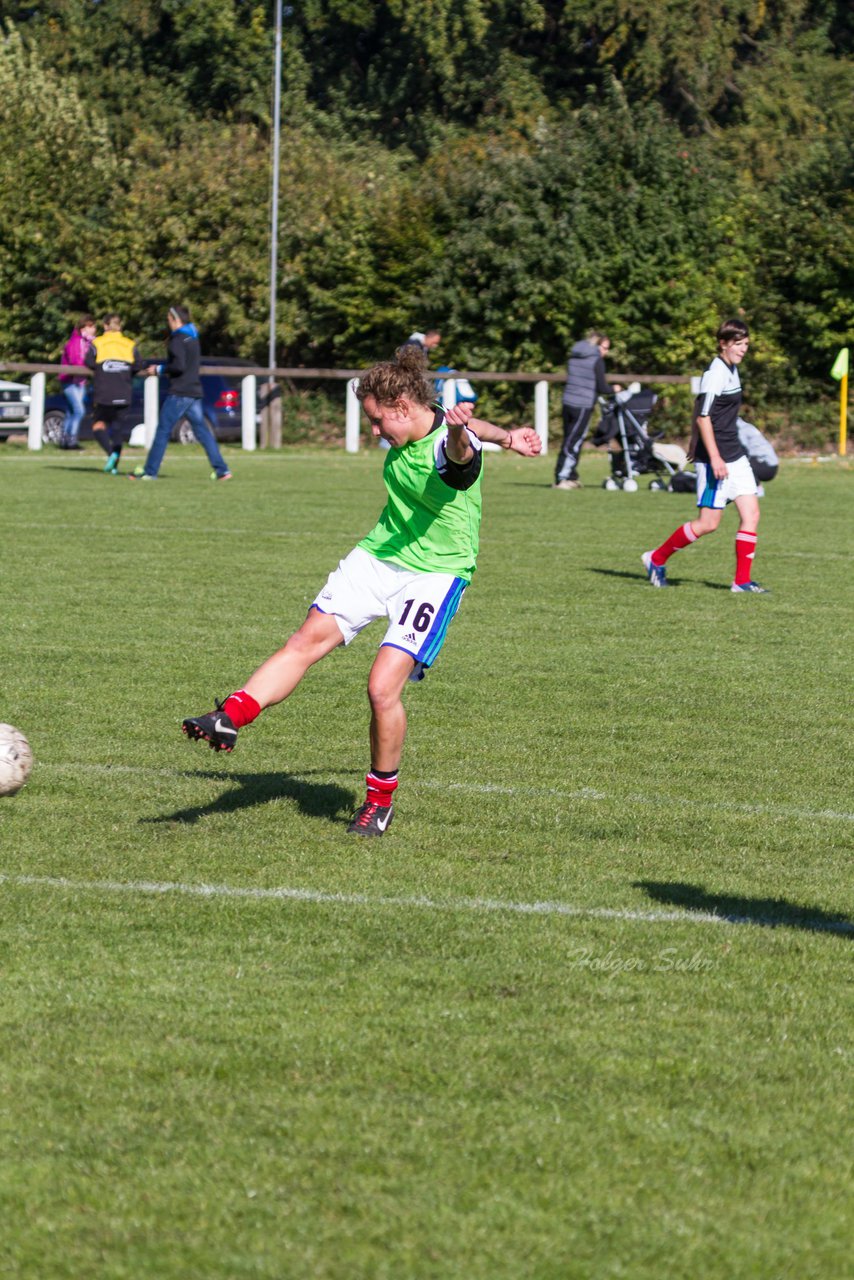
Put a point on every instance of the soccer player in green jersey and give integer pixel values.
(412, 568)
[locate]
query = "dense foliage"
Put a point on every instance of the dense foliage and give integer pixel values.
(512, 170)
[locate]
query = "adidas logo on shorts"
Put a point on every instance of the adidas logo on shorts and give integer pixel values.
(410, 638)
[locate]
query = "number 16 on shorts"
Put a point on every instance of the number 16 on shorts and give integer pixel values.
(420, 618)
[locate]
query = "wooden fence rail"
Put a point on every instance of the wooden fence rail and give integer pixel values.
(251, 374)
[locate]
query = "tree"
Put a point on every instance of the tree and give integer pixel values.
(57, 175)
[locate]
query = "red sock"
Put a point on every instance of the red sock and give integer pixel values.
(745, 550)
(380, 790)
(681, 537)
(241, 708)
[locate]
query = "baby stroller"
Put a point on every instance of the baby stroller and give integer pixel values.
(634, 450)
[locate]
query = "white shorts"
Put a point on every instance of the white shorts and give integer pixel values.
(419, 606)
(739, 483)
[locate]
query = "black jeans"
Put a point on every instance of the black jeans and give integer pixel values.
(575, 424)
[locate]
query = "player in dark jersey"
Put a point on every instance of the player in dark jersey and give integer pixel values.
(411, 569)
(724, 473)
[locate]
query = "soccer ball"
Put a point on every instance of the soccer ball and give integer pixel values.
(16, 760)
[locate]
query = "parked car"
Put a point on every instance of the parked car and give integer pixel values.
(220, 394)
(14, 407)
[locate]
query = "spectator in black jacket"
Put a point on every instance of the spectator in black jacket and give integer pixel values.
(182, 368)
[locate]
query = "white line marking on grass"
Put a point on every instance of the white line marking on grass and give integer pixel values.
(471, 905)
(589, 793)
(488, 788)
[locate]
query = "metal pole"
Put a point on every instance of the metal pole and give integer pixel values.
(274, 213)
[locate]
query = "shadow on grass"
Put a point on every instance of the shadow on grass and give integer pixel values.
(772, 913)
(79, 470)
(640, 576)
(96, 470)
(246, 790)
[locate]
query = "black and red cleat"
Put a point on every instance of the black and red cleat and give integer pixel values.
(215, 727)
(371, 820)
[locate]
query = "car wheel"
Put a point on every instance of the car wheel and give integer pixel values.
(183, 432)
(54, 421)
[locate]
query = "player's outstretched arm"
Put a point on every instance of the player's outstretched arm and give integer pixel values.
(525, 440)
(520, 439)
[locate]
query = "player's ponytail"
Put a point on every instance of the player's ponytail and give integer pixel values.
(404, 376)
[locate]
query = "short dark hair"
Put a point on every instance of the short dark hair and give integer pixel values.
(180, 313)
(82, 321)
(731, 330)
(111, 318)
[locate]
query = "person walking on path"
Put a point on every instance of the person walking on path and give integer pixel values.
(412, 569)
(114, 359)
(183, 369)
(74, 384)
(585, 380)
(724, 473)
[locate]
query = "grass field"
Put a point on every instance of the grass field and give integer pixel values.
(584, 1012)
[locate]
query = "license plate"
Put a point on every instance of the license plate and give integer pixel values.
(12, 411)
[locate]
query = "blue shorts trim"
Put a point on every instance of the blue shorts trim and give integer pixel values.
(435, 637)
(707, 497)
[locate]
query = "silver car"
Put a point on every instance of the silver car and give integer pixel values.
(14, 407)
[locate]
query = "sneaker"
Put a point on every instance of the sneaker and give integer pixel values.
(140, 473)
(742, 588)
(566, 484)
(227, 476)
(112, 465)
(371, 819)
(760, 491)
(215, 727)
(655, 572)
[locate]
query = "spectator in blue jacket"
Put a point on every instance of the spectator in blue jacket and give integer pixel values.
(183, 369)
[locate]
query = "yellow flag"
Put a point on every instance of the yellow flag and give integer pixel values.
(840, 366)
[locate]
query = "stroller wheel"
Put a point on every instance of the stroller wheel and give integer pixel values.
(630, 486)
(610, 484)
(655, 486)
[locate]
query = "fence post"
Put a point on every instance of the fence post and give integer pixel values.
(248, 405)
(541, 413)
(150, 408)
(36, 427)
(351, 432)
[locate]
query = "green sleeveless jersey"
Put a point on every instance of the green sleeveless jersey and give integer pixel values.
(431, 521)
